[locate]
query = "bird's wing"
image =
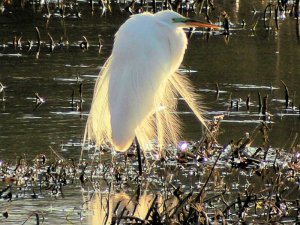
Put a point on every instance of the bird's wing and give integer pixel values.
(140, 63)
(132, 87)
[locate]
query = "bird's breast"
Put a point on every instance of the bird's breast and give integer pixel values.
(143, 57)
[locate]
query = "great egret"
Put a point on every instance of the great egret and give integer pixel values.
(137, 88)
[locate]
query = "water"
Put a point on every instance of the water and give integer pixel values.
(251, 61)
(259, 58)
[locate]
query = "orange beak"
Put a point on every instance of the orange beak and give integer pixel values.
(195, 23)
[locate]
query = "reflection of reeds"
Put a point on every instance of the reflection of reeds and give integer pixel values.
(240, 183)
(120, 207)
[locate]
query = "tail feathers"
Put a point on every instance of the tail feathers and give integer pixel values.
(98, 127)
(187, 91)
(161, 124)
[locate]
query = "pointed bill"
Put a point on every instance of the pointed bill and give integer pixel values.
(195, 23)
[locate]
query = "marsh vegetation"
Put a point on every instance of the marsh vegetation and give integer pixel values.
(247, 74)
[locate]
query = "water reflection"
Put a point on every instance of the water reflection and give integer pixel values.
(251, 60)
(119, 207)
(254, 60)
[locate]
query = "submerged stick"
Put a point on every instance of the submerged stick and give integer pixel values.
(151, 207)
(294, 100)
(286, 94)
(3, 91)
(108, 205)
(138, 150)
(57, 155)
(276, 17)
(48, 9)
(269, 6)
(99, 44)
(248, 102)
(154, 6)
(181, 204)
(254, 25)
(3, 95)
(297, 9)
(84, 44)
(259, 102)
(198, 197)
(92, 5)
(80, 92)
(226, 23)
(265, 105)
(38, 35)
(36, 216)
(38, 42)
(51, 46)
(29, 45)
(293, 142)
(217, 89)
(72, 101)
(298, 30)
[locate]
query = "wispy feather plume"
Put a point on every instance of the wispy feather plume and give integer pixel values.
(162, 124)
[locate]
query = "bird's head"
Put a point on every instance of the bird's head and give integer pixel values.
(174, 18)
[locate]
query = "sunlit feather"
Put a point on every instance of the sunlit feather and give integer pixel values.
(137, 90)
(184, 87)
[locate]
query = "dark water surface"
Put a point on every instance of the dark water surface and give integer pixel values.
(250, 61)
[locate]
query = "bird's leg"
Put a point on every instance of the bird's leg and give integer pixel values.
(138, 150)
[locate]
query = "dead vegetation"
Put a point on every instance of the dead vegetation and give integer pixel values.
(203, 183)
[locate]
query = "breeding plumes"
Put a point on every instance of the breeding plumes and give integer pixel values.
(137, 89)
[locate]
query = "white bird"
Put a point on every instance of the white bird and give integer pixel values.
(137, 89)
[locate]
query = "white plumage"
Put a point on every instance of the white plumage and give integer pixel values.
(137, 88)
